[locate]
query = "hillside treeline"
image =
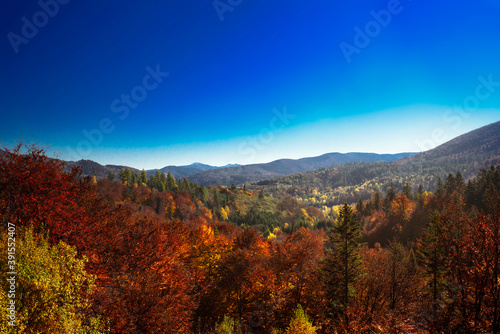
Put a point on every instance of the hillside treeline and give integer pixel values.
(137, 257)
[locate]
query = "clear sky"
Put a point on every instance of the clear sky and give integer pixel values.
(153, 83)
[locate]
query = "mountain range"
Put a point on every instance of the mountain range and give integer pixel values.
(467, 154)
(239, 174)
(256, 172)
(185, 171)
(229, 174)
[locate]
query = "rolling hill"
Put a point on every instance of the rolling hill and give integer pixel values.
(350, 182)
(360, 173)
(93, 168)
(481, 146)
(256, 172)
(185, 171)
(226, 175)
(100, 171)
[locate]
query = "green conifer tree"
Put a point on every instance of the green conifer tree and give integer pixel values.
(407, 190)
(391, 195)
(342, 265)
(432, 257)
(144, 177)
(170, 182)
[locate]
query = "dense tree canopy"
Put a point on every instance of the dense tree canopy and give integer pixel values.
(169, 256)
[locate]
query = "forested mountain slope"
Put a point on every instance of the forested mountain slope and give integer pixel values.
(256, 172)
(350, 182)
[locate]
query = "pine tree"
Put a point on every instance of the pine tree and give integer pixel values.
(161, 187)
(402, 276)
(170, 182)
(111, 176)
(186, 185)
(151, 181)
(360, 207)
(450, 184)
(133, 178)
(391, 195)
(376, 200)
(144, 177)
(163, 181)
(440, 191)
(128, 175)
(459, 181)
(202, 193)
(432, 256)
(123, 175)
(343, 264)
(215, 203)
(407, 190)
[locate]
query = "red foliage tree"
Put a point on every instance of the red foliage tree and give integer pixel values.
(36, 191)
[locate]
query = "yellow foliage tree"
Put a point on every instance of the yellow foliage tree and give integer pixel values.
(209, 248)
(204, 212)
(51, 288)
(170, 208)
(223, 214)
(305, 215)
(300, 324)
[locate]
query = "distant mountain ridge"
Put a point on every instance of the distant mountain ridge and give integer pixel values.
(100, 171)
(93, 168)
(185, 171)
(238, 174)
(347, 183)
(256, 172)
(90, 167)
(467, 153)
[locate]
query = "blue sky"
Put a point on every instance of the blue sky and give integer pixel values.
(155, 83)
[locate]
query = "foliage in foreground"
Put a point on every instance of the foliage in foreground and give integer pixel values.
(168, 262)
(52, 287)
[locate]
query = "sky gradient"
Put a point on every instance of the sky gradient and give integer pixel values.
(155, 83)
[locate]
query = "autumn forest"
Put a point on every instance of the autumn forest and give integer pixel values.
(137, 254)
